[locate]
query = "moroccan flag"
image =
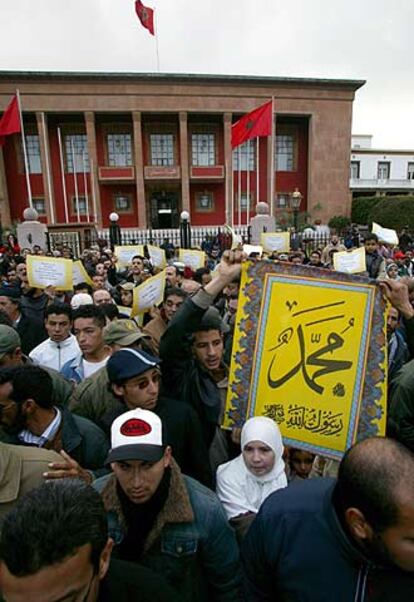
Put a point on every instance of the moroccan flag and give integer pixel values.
(145, 15)
(10, 121)
(251, 125)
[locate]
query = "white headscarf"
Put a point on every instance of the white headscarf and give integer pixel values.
(240, 490)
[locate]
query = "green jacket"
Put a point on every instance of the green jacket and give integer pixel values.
(92, 398)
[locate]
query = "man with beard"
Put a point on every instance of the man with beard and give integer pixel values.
(352, 539)
(28, 416)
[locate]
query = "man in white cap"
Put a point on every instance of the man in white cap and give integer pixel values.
(165, 520)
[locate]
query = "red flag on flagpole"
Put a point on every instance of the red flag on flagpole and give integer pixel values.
(253, 124)
(10, 121)
(145, 15)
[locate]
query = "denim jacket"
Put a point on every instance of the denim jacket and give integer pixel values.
(73, 369)
(191, 543)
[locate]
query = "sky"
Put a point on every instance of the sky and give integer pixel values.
(353, 39)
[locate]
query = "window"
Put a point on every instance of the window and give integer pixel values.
(285, 152)
(203, 149)
(355, 166)
(122, 203)
(282, 200)
(244, 197)
(82, 205)
(204, 202)
(240, 156)
(33, 154)
(162, 149)
(119, 150)
(410, 171)
(78, 143)
(383, 170)
(39, 206)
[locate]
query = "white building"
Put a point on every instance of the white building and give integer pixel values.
(379, 171)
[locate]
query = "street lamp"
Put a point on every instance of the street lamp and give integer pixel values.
(295, 202)
(114, 230)
(185, 230)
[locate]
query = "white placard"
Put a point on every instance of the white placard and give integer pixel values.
(275, 241)
(157, 256)
(350, 262)
(125, 254)
(191, 258)
(80, 275)
(385, 234)
(149, 293)
(253, 250)
(49, 271)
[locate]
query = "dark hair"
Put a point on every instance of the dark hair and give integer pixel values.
(138, 257)
(4, 319)
(82, 286)
(110, 311)
(90, 311)
(371, 236)
(31, 382)
(199, 273)
(371, 476)
(59, 309)
(50, 524)
(174, 290)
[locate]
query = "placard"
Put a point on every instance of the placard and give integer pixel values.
(157, 256)
(253, 250)
(125, 253)
(350, 262)
(49, 271)
(275, 241)
(79, 274)
(191, 258)
(149, 293)
(310, 353)
(385, 234)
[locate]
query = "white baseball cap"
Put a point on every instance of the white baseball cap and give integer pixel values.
(136, 435)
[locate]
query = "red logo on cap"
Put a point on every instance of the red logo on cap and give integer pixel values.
(135, 427)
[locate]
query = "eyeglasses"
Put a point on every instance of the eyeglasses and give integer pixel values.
(145, 382)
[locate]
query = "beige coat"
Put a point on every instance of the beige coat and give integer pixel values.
(21, 469)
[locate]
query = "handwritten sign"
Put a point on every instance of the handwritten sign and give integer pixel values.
(350, 262)
(193, 259)
(149, 293)
(125, 254)
(385, 234)
(157, 256)
(49, 271)
(80, 274)
(275, 241)
(304, 355)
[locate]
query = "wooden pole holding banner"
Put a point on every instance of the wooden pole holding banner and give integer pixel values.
(26, 163)
(62, 169)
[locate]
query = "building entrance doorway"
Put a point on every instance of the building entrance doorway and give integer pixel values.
(164, 211)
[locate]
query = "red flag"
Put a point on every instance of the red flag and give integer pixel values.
(10, 121)
(145, 15)
(253, 124)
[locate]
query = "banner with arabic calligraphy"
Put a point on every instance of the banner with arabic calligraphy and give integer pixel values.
(309, 352)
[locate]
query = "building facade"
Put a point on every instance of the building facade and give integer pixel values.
(380, 171)
(149, 146)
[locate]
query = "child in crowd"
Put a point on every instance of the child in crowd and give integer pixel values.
(300, 463)
(375, 263)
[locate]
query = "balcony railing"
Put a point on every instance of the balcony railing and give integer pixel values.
(376, 183)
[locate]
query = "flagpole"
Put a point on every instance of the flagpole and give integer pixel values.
(49, 183)
(232, 191)
(85, 186)
(257, 169)
(239, 184)
(156, 38)
(26, 163)
(272, 155)
(75, 180)
(62, 169)
(248, 184)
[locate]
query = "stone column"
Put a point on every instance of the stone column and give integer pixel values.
(228, 169)
(185, 181)
(139, 169)
(4, 195)
(46, 167)
(93, 163)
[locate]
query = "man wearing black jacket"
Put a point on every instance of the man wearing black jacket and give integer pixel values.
(65, 554)
(135, 380)
(32, 331)
(352, 539)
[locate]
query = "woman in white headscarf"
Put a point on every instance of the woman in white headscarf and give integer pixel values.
(245, 482)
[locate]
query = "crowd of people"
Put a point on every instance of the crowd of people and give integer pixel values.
(117, 479)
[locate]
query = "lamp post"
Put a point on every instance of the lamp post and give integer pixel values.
(295, 201)
(185, 230)
(114, 230)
